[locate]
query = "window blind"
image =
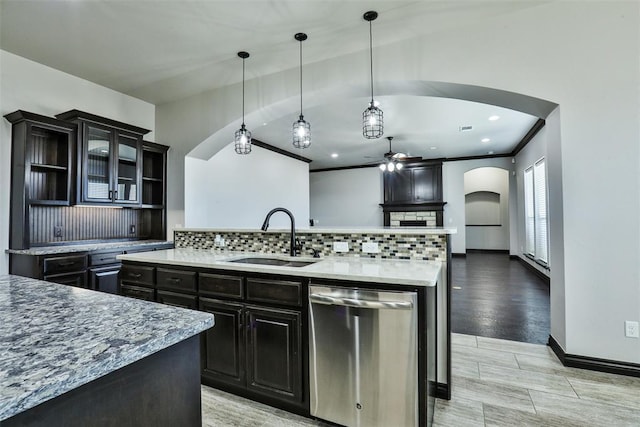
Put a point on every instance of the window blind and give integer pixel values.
(529, 212)
(540, 192)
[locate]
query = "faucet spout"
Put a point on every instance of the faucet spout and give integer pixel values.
(265, 226)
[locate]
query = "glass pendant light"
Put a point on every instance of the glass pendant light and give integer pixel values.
(372, 120)
(301, 128)
(242, 137)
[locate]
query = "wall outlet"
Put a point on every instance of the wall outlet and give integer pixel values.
(221, 242)
(57, 231)
(370, 247)
(631, 329)
(341, 246)
(132, 229)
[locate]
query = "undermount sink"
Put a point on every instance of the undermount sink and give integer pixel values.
(272, 261)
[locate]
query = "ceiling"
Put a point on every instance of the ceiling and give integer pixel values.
(161, 51)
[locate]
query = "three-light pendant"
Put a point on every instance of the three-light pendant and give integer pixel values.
(372, 117)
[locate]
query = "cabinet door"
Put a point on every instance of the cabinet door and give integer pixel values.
(274, 356)
(222, 346)
(105, 279)
(97, 165)
(127, 173)
(177, 300)
(398, 186)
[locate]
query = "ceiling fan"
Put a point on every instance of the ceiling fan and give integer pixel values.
(394, 161)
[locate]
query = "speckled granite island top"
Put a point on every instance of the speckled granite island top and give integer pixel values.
(54, 338)
(403, 272)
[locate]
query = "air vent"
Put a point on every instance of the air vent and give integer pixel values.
(466, 128)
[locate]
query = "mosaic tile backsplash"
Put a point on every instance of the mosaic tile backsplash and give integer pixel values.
(428, 247)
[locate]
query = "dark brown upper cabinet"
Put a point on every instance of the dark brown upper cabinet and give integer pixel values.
(154, 171)
(42, 168)
(110, 160)
(414, 184)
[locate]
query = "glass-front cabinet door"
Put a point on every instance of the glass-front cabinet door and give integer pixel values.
(98, 165)
(127, 188)
(112, 166)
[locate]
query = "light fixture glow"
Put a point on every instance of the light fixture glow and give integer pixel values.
(494, 118)
(390, 166)
(485, 139)
(398, 165)
(334, 155)
(372, 117)
(301, 128)
(433, 148)
(383, 167)
(242, 137)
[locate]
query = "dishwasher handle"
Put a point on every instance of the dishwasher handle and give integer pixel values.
(360, 303)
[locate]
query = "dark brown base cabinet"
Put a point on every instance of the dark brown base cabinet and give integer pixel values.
(256, 347)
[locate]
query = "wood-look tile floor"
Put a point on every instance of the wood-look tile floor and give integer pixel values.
(495, 383)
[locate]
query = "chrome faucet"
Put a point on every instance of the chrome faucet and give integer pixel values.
(295, 245)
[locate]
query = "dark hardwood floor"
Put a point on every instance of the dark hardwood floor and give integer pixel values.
(498, 298)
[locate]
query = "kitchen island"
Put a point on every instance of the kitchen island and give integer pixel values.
(261, 346)
(71, 356)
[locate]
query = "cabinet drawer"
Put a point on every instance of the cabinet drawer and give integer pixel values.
(178, 280)
(146, 294)
(284, 292)
(137, 274)
(104, 258)
(177, 300)
(77, 279)
(64, 264)
(220, 285)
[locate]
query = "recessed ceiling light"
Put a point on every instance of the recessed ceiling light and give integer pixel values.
(485, 140)
(334, 155)
(264, 124)
(489, 152)
(434, 148)
(494, 118)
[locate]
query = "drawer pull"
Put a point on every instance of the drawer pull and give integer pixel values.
(173, 280)
(66, 264)
(135, 275)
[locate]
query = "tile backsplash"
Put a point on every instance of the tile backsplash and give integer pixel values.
(390, 246)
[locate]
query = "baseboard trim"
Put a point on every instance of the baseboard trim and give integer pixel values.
(443, 391)
(594, 363)
(531, 268)
(488, 251)
(458, 255)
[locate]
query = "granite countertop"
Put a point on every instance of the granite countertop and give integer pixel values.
(54, 338)
(401, 272)
(85, 247)
(332, 230)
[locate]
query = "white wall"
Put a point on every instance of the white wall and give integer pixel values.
(550, 52)
(27, 85)
(349, 197)
(497, 181)
(453, 189)
(232, 191)
(547, 144)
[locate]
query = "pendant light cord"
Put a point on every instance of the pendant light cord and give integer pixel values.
(371, 59)
(243, 59)
(300, 78)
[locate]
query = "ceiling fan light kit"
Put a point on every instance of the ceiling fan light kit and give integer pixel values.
(242, 137)
(301, 128)
(372, 117)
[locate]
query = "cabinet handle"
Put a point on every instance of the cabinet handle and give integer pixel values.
(173, 280)
(135, 275)
(115, 195)
(110, 194)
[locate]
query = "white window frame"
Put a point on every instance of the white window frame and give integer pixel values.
(536, 212)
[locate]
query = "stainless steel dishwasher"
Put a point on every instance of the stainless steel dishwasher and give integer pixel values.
(363, 356)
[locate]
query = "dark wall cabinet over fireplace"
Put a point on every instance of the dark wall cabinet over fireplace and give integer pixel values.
(416, 187)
